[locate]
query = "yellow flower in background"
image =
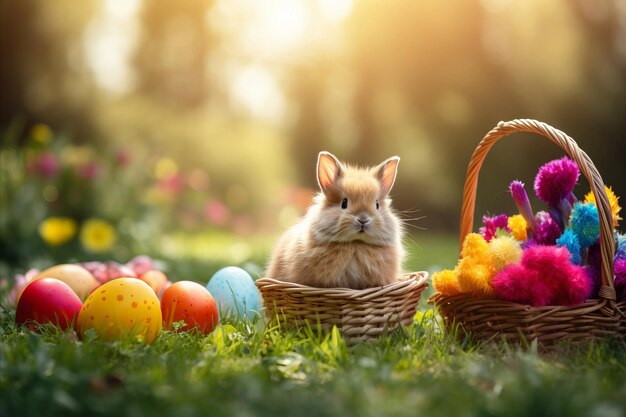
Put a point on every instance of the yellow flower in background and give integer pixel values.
(41, 133)
(165, 168)
(56, 231)
(97, 235)
(613, 200)
(518, 226)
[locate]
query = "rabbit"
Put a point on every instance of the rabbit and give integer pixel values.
(350, 236)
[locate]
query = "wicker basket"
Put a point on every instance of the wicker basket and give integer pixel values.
(359, 314)
(621, 306)
(488, 319)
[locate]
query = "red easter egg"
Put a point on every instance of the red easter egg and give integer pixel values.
(48, 300)
(190, 302)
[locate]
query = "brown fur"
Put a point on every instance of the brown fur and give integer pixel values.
(326, 248)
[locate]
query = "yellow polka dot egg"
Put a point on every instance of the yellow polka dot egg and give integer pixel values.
(122, 308)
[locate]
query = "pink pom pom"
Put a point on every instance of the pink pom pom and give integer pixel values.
(545, 276)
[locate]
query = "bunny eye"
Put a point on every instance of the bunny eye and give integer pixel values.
(377, 205)
(344, 203)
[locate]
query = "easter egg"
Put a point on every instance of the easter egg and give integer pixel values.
(155, 279)
(190, 302)
(48, 300)
(78, 278)
(234, 292)
(121, 308)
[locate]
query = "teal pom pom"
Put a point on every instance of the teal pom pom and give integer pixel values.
(620, 250)
(585, 223)
(570, 241)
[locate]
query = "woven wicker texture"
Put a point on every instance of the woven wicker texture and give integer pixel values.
(622, 309)
(494, 319)
(359, 314)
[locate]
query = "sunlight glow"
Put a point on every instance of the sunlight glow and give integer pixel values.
(336, 10)
(256, 91)
(110, 41)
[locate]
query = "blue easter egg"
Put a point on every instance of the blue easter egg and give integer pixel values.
(234, 292)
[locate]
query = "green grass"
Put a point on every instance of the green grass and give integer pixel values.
(246, 369)
(253, 369)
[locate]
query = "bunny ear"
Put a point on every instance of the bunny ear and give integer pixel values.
(386, 173)
(328, 170)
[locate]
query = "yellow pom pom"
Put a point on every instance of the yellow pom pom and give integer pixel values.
(613, 201)
(518, 226)
(446, 283)
(475, 278)
(474, 247)
(503, 251)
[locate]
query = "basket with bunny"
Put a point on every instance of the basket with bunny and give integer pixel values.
(547, 276)
(341, 264)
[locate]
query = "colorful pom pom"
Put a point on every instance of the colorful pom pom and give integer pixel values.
(446, 283)
(620, 278)
(585, 223)
(569, 240)
(620, 246)
(545, 276)
(594, 268)
(474, 247)
(555, 181)
(492, 224)
(503, 251)
(518, 284)
(518, 226)
(547, 231)
(613, 201)
(475, 278)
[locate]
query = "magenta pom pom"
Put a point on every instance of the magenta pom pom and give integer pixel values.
(545, 276)
(555, 181)
(522, 285)
(492, 224)
(547, 231)
(594, 268)
(620, 278)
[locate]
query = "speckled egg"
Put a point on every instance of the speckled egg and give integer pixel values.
(235, 293)
(121, 308)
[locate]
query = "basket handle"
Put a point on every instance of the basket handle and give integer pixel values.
(586, 166)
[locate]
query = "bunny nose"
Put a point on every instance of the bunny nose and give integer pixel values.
(363, 220)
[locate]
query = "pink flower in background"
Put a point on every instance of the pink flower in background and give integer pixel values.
(122, 158)
(242, 225)
(172, 184)
(141, 264)
(216, 212)
(20, 282)
(46, 165)
(106, 271)
(301, 197)
(88, 171)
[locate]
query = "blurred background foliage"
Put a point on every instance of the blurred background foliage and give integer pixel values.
(167, 120)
